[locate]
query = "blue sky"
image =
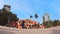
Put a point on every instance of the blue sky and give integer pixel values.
(24, 8)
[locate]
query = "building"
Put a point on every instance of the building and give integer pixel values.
(46, 17)
(31, 24)
(7, 7)
(26, 24)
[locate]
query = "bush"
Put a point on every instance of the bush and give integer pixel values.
(48, 24)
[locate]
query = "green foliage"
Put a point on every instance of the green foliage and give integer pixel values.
(31, 16)
(51, 23)
(48, 24)
(56, 22)
(36, 16)
(7, 15)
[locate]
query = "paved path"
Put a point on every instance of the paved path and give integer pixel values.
(9, 30)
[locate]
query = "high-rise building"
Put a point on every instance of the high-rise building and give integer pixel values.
(46, 17)
(7, 7)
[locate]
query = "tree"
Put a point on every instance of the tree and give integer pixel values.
(31, 16)
(36, 16)
(48, 24)
(6, 16)
(56, 22)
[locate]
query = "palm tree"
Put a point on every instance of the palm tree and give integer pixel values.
(36, 16)
(31, 16)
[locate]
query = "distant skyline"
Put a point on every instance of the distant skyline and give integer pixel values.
(24, 8)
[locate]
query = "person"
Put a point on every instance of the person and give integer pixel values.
(18, 25)
(23, 25)
(42, 26)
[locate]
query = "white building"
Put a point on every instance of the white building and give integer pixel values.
(7, 7)
(46, 17)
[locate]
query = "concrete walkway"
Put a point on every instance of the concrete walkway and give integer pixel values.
(9, 30)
